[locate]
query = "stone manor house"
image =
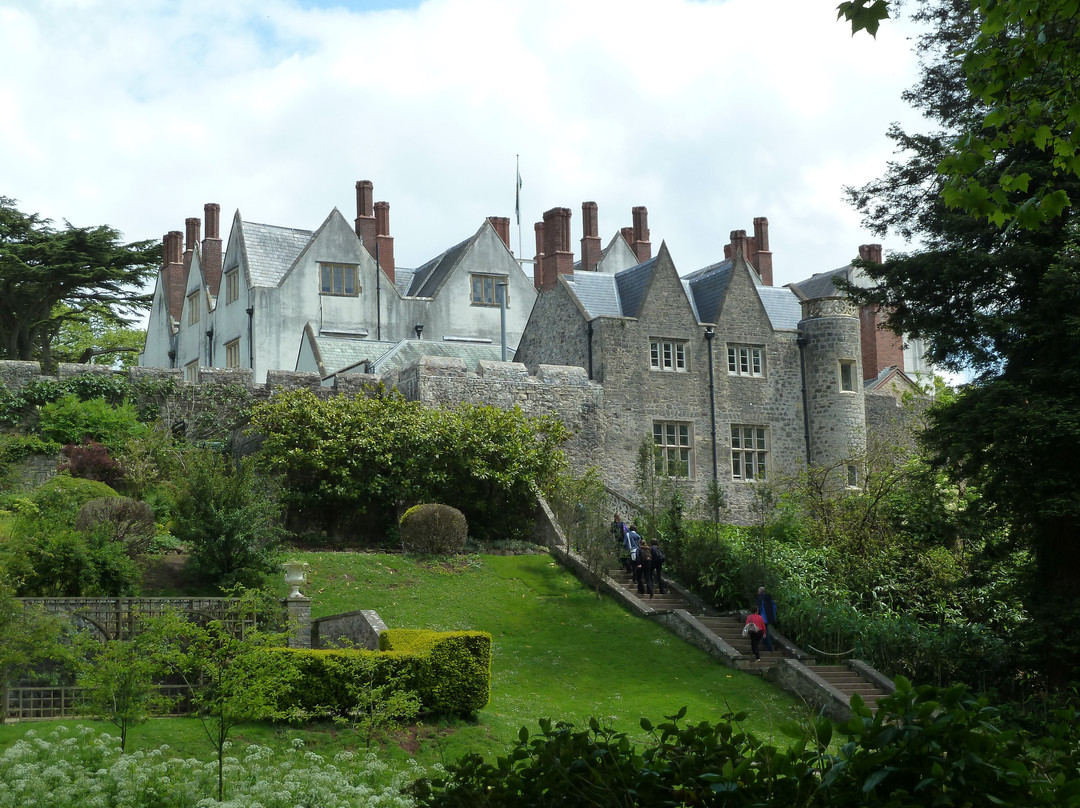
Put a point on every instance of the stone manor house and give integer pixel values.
(727, 376)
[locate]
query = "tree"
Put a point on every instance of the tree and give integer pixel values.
(118, 681)
(28, 637)
(1000, 304)
(581, 506)
(227, 515)
(1021, 63)
(50, 277)
(228, 667)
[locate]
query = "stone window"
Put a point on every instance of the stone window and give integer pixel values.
(852, 476)
(749, 452)
(671, 448)
(191, 372)
(232, 354)
(847, 375)
(193, 308)
(339, 279)
(746, 360)
(232, 285)
(485, 290)
(668, 354)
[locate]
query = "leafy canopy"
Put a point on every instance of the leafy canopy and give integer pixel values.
(50, 277)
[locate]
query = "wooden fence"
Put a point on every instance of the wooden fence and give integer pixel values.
(41, 703)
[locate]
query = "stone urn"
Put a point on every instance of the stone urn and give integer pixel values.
(295, 574)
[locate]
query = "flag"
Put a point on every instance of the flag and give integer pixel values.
(517, 196)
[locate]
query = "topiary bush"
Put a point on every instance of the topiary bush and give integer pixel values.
(434, 529)
(60, 499)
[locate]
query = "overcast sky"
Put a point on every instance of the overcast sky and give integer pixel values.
(134, 113)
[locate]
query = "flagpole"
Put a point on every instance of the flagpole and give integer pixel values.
(517, 208)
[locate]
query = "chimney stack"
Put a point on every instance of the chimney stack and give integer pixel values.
(641, 245)
(173, 273)
(558, 258)
(590, 237)
(365, 216)
(383, 239)
(192, 226)
(762, 259)
(502, 227)
(628, 237)
(736, 244)
(211, 247)
(871, 253)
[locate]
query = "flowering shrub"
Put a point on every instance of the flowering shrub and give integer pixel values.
(83, 767)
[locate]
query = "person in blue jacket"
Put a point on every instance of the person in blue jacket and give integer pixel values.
(767, 610)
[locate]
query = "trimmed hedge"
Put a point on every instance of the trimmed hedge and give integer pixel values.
(433, 528)
(449, 671)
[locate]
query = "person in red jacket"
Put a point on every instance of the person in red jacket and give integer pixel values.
(755, 629)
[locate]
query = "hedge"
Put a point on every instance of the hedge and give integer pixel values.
(449, 671)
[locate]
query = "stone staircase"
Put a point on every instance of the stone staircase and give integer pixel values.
(827, 685)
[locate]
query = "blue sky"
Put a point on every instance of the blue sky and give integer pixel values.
(137, 112)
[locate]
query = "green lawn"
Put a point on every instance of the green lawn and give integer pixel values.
(558, 652)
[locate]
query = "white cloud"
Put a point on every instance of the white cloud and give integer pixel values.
(136, 112)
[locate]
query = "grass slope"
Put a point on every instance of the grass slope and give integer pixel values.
(558, 652)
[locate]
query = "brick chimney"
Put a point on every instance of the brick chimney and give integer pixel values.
(881, 348)
(502, 227)
(871, 253)
(383, 239)
(538, 261)
(590, 236)
(761, 254)
(641, 245)
(173, 273)
(192, 226)
(628, 236)
(365, 216)
(558, 257)
(736, 244)
(211, 246)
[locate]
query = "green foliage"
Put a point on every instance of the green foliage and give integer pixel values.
(225, 514)
(433, 529)
(49, 276)
(343, 457)
(126, 521)
(454, 674)
(73, 420)
(29, 636)
(231, 672)
(44, 559)
(924, 746)
(60, 498)
(118, 681)
(580, 505)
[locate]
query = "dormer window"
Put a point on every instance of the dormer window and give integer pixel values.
(339, 279)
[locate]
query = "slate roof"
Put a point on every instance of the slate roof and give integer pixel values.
(632, 284)
(596, 292)
(408, 350)
(427, 278)
(706, 288)
(338, 353)
(271, 250)
(781, 305)
(822, 284)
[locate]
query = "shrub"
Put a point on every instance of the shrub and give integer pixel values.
(47, 561)
(435, 529)
(121, 519)
(61, 498)
(90, 461)
(449, 671)
(226, 515)
(70, 420)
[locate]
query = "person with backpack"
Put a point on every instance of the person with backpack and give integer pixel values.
(767, 610)
(642, 561)
(755, 630)
(657, 565)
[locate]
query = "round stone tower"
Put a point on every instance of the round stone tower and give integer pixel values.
(835, 405)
